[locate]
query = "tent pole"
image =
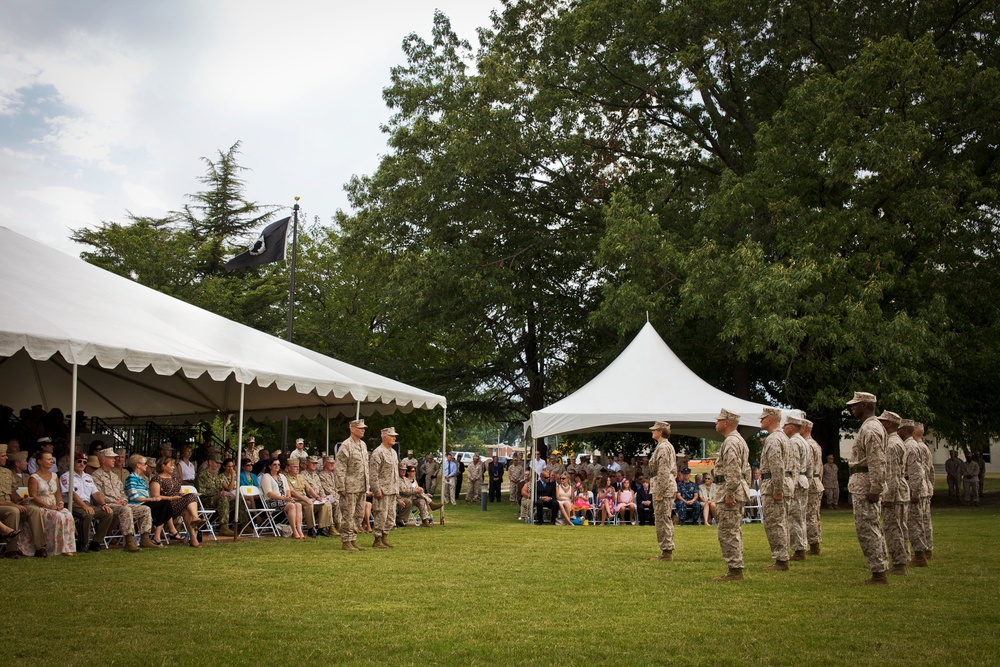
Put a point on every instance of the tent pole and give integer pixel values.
(357, 411)
(72, 440)
(444, 456)
(239, 461)
(327, 430)
(531, 478)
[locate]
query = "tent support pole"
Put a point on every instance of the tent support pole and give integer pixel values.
(357, 411)
(444, 456)
(327, 412)
(239, 461)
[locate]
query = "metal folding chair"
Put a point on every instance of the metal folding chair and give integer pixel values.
(260, 519)
(202, 512)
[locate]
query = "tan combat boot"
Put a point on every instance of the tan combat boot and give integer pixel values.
(898, 568)
(734, 574)
(347, 546)
(919, 559)
(224, 531)
(130, 544)
(877, 579)
(779, 566)
(385, 543)
(354, 545)
(380, 544)
(800, 554)
(433, 506)
(426, 523)
(814, 550)
(927, 555)
(664, 555)
(147, 543)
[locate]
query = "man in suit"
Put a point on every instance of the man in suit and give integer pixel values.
(495, 470)
(545, 496)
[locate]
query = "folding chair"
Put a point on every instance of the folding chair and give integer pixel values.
(752, 511)
(202, 512)
(260, 519)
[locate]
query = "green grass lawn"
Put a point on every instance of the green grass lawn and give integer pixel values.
(487, 590)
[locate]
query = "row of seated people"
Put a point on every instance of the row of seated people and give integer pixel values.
(614, 500)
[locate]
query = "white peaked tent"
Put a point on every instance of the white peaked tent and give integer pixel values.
(141, 354)
(645, 383)
(76, 336)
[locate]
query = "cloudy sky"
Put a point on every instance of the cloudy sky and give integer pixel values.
(108, 106)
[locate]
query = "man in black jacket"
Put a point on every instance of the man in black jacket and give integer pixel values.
(495, 470)
(545, 496)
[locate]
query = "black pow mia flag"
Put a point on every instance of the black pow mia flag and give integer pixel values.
(269, 247)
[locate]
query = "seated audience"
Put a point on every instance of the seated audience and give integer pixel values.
(581, 501)
(278, 495)
(545, 497)
(564, 497)
(57, 521)
(88, 506)
(707, 494)
(185, 470)
(606, 500)
(686, 505)
(626, 502)
(644, 504)
(137, 490)
(164, 486)
(212, 487)
(525, 499)
(131, 519)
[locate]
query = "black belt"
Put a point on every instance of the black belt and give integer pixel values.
(855, 469)
(815, 474)
(720, 478)
(789, 473)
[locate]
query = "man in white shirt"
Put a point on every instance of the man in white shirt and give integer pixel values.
(88, 504)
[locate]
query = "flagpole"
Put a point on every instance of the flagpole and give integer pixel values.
(291, 304)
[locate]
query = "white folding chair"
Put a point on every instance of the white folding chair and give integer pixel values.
(260, 519)
(752, 511)
(202, 512)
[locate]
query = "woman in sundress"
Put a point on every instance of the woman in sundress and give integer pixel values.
(57, 521)
(164, 486)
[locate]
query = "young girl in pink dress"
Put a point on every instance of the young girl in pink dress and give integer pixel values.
(606, 500)
(626, 500)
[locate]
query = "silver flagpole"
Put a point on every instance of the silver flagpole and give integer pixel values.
(291, 304)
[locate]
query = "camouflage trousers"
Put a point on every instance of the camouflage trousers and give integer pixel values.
(897, 538)
(954, 486)
(525, 508)
(918, 525)
(866, 525)
(132, 519)
(220, 504)
(832, 496)
(475, 491)
(775, 516)
(730, 521)
(352, 515)
(384, 514)
(664, 526)
(797, 520)
(814, 529)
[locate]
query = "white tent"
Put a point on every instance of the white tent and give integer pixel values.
(645, 383)
(141, 354)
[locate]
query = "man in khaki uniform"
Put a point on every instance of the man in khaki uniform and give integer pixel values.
(774, 490)
(927, 493)
(814, 529)
(19, 466)
(953, 471)
(867, 483)
(413, 495)
(970, 480)
(896, 497)
(800, 463)
(475, 473)
(515, 475)
(831, 483)
(384, 472)
(213, 494)
(913, 468)
(311, 476)
(318, 517)
(13, 513)
(130, 518)
(352, 484)
(732, 476)
(409, 460)
(119, 468)
(431, 470)
(663, 486)
(327, 488)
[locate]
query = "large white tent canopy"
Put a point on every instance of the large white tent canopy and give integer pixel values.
(141, 354)
(647, 382)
